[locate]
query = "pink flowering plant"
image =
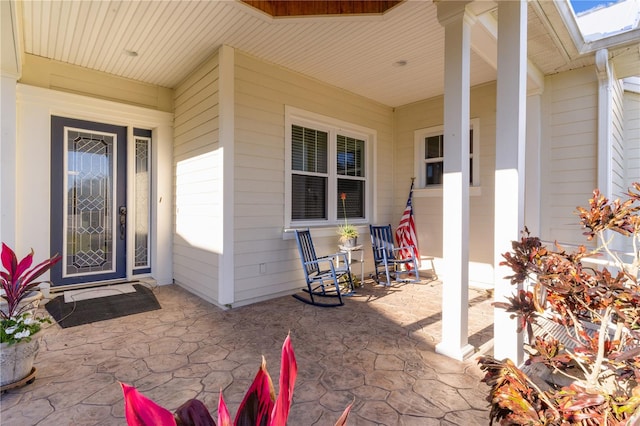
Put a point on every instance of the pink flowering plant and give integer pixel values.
(17, 279)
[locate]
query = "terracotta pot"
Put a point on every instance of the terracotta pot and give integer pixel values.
(16, 361)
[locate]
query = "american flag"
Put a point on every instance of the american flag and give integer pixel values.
(406, 232)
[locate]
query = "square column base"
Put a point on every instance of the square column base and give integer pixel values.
(459, 353)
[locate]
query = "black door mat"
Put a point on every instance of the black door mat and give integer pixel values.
(103, 308)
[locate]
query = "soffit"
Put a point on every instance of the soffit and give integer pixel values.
(355, 53)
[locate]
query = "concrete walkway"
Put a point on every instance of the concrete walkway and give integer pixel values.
(376, 351)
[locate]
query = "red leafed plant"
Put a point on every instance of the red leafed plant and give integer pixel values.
(259, 406)
(595, 378)
(17, 279)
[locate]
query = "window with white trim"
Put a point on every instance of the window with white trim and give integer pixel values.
(429, 154)
(326, 158)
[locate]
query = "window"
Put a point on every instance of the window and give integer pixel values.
(325, 159)
(142, 188)
(429, 151)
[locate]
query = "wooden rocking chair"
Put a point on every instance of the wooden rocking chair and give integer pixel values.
(321, 273)
(386, 255)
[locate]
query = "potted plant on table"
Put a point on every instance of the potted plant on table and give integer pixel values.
(348, 233)
(18, 322)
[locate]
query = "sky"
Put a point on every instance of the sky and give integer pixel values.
(582, 5)
(612, 17)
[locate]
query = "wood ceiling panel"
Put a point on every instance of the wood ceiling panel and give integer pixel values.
(282, 8)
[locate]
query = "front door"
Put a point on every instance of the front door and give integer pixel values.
(88, 201)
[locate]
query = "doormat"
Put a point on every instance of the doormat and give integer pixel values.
(103, 308)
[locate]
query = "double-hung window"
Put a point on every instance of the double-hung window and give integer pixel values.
(327, 159)
(429, 153)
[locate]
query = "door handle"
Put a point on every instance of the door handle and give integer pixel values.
(123, 222)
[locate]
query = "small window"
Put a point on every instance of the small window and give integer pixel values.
(429, 148)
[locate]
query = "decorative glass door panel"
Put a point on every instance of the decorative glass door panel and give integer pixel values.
(89, 227)
(88, 201)
(142, 196)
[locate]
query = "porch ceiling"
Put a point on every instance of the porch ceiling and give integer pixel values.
(359, 53)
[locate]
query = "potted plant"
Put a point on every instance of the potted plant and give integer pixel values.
(348, 233)
(18, 322)
(594, 311)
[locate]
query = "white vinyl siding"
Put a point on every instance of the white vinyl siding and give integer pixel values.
(631, 102)
(197, 241)
(568, 152)
(427, 203)
(266, 259)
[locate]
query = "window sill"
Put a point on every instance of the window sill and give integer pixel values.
(322, 231)
(474, 191)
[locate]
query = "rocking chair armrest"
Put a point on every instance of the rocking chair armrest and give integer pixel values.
(331, 257)
(334, 265)
(412, 248)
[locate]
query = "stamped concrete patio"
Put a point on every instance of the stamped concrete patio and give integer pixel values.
(377, 351)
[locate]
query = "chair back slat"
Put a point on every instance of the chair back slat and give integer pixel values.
(307, 252)
(381, 242)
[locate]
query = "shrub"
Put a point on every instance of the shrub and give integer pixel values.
(599, 311)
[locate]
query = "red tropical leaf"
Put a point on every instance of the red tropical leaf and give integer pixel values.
(224, 418)
(23, 265)
(258, 402)
(39, 269)
(342, 421)
(194, 413)
(141, 411)
(288, 374)
(9, 260)
(17, 278)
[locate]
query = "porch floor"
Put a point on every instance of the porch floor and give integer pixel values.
(377, 351)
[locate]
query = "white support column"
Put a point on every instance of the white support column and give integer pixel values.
(605, 101)
(10, 70)
(533, 183)
(455, 288)
(509, 176)
(226, 277)
(8, 155)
